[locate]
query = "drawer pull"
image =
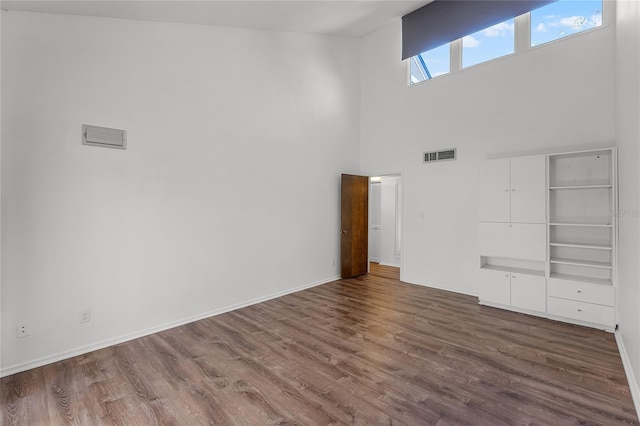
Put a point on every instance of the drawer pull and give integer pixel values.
(579, 310)
(579, 291)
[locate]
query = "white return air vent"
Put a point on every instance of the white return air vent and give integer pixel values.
(443, 155)
(103, 136)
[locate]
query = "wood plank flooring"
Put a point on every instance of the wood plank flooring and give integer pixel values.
(367, 350)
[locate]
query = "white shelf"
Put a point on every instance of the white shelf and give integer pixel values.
(577, 262)
(578, 154)
(510, 269)
(580, 278)
(581, 187)
(586, 246)
(594, 225)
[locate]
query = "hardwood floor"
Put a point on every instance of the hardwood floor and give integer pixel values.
(366, 350)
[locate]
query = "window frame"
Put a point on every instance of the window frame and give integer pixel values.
(522, 42)
(607, 10)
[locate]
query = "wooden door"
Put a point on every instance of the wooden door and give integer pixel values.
(528, 189)
(354, 239)
(494, 191)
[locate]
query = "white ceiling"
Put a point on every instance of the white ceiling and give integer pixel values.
(355, 18)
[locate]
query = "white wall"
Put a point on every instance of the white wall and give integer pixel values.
(228, 191)
(555, 97)
(628, 138)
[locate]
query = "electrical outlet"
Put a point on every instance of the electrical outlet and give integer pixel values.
(333, 261)
(85, 316)
(22, 330)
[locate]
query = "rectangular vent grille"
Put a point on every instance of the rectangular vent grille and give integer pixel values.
(103, 136)
(444, 155)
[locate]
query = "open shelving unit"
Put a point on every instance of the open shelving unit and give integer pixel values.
(581, 234)
(581, 204)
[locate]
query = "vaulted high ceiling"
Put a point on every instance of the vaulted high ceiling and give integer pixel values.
(334, 17)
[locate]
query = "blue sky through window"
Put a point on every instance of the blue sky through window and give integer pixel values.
(430, 64)
(556, 20)
(490, 43)
(563, 18)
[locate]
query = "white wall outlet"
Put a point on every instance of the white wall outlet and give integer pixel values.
(85, 316)
(22, 330)
(333, 261)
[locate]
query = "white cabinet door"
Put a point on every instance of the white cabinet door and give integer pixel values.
(528, 241)
(495, 239)
(494, 191)
(494, 287)
(514, 241)
(528, 292)
(528, 189)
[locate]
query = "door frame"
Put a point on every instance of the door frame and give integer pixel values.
(403, 214)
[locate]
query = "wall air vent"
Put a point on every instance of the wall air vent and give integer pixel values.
(443, 155)
(103, 136)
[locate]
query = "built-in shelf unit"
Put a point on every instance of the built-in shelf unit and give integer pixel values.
(561, 263)
(582, 252)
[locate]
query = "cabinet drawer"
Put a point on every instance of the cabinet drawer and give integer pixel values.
(588, 312)
(583, 292)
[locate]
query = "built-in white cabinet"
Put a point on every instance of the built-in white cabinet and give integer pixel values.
(512, 189)
(523, 291)
(512, 234)
(582, 233)
(547, 235)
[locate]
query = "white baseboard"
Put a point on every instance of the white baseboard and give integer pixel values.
(117, 340)
(396, 265)
(628, 370)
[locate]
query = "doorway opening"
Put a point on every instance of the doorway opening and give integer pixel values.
(385, 220)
